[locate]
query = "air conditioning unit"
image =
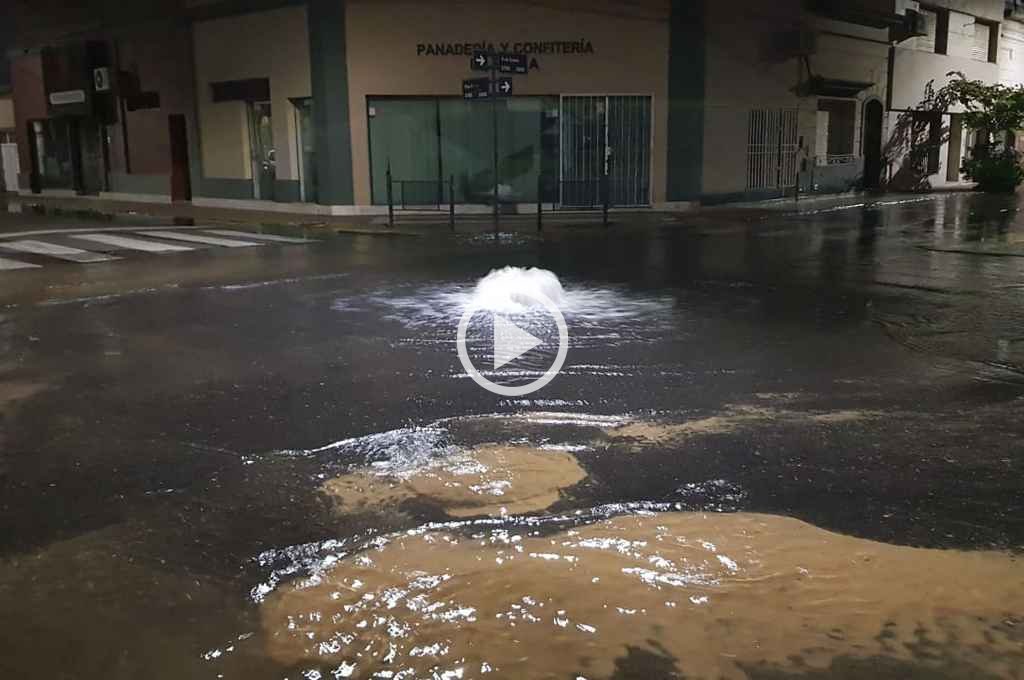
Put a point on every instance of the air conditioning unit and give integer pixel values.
(904, 6)
(913, 25)
(101, 79)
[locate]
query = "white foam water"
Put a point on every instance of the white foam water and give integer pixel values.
(513, 290)
(610, 312)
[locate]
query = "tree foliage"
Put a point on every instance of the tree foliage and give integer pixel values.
(992, 108)
(988, 109)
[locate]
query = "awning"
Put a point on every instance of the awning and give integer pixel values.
(835, 87)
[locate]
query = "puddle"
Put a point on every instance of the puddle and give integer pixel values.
(488, 480)
(14, 391)
(708, 594)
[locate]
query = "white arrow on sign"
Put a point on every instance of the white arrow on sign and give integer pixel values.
(511, 341)
(506, 86)
(481, 60)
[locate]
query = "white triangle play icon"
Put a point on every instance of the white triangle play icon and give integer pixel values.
(510, 341)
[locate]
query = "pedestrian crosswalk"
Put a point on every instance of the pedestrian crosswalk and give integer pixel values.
(259, 237)
(53, 250)
(7, 265)
(132, 243)
(205, 240)
(104, 246)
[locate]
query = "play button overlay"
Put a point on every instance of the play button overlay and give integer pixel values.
(512, 342)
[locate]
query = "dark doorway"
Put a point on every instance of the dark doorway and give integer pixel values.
(181, 180)
(93, 174)
(872, 144)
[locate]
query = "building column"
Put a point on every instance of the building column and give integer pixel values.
(686, 69)
(329, 76)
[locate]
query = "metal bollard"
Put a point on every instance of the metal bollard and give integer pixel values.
(604, 198)
(451, 202)
(540, 206)
(391, 203)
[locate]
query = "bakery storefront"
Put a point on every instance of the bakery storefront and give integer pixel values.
(593, 97)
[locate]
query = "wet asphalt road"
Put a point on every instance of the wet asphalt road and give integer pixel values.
(145, 404)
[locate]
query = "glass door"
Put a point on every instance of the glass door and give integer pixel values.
(261, 146)
(306, 145)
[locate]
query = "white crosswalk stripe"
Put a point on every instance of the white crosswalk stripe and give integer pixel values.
(6, 265)
(259, 237)
(141, 239)
(196, 238)
(57, 251)
(133, 243)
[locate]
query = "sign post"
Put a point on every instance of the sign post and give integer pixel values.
(493, 88)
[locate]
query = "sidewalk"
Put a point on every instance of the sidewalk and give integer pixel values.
(19, 212)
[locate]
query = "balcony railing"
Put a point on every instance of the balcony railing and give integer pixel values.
(836, 159)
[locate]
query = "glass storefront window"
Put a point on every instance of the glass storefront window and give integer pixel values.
(53, 161)
(429, 140)
(404, 133)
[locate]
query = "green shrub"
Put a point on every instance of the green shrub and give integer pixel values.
(995, 171)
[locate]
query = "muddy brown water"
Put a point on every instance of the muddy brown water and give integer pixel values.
(714, 592)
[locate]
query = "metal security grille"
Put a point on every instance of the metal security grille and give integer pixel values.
(583, 150)
(771, 148)
(629, 139)
(605, 134)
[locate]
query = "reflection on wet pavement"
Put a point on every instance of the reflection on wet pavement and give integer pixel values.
(712, 592)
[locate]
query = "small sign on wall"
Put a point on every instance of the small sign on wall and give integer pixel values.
(101, 79)
(67, 97)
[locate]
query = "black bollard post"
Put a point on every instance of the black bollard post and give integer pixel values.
(391, 204)
(540, 206)
(604, 198)
(451, 202)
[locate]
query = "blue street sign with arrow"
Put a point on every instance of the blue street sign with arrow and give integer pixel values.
(503, 87)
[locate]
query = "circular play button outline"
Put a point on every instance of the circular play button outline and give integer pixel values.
(514, 390)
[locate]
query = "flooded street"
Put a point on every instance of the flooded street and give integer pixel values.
(784, 444)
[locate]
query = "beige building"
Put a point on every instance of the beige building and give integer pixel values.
(596, 85)
(798, 116)
(250, 136)
(342, 106)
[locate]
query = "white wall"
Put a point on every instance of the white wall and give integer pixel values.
(745, 72)
(1011, 53)
(914, 68)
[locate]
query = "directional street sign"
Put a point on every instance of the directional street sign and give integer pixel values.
(513, 63)
(480, 61)
(503, 87)
(476, 88)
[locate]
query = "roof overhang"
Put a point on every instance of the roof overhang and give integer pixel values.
(835, 87)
